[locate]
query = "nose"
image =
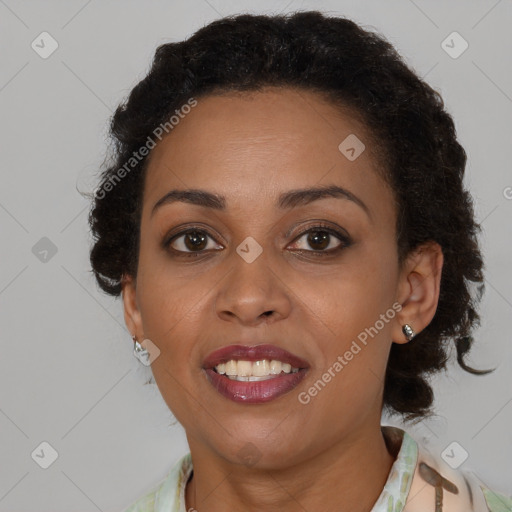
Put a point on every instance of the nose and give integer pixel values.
(252, 293)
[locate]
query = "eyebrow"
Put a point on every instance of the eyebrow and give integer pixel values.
(286, 200)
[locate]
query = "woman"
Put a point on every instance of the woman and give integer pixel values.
(286, 221)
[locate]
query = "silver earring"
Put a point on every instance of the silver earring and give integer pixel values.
(140, 352)
(408, 332)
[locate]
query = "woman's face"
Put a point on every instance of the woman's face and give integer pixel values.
(266, 271)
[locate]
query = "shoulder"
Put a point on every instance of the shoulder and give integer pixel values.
(436, 485)
(168, 494)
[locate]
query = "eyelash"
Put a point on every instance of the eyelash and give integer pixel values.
(345, 241)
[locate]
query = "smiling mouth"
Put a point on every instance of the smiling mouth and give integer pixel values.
(254, 371)
(250, 389)
(254, 374)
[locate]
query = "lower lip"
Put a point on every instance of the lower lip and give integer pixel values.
(255, 392)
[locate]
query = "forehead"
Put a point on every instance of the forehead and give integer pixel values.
(251, 147)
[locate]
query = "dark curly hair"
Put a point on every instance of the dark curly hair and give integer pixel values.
(355, 69)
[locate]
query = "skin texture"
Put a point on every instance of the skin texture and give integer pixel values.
(251, 148)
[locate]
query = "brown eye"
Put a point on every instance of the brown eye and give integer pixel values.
(320, 239)
(190, 241)
(195, 240)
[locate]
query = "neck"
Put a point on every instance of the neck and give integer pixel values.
(348, 476)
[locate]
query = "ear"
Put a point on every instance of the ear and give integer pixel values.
(418, 289)
(132, 316)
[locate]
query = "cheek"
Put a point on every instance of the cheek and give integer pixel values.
(170, 315)
(357, 321)
(168, 294)
(172, 319)
(168, 305)
(358, 292)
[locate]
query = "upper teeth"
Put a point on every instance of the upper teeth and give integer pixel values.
(262, 368)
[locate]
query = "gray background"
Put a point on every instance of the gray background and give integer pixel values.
(68, 376)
